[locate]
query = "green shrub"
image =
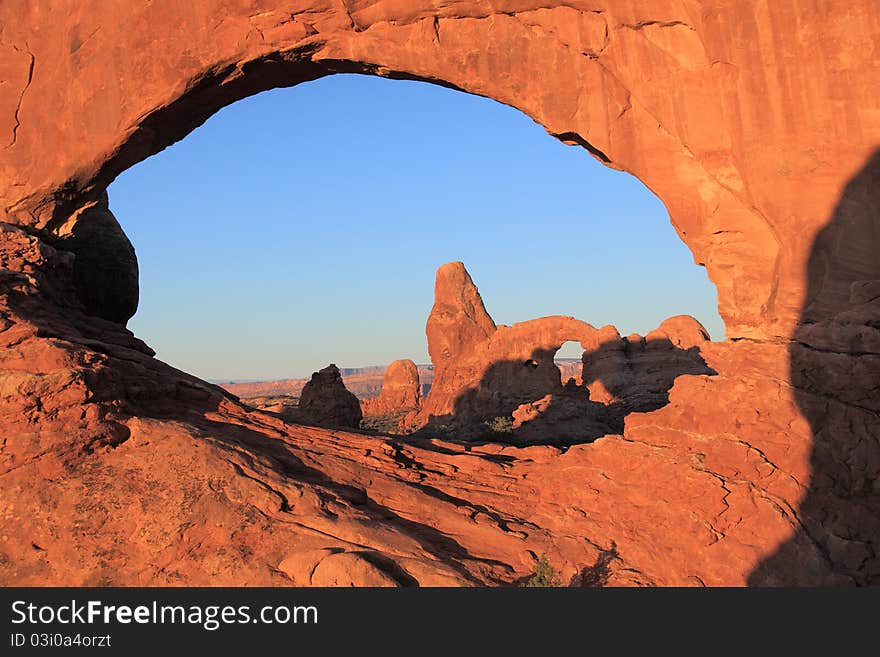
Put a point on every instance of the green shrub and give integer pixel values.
(544, 575)
(498, 428)
(387, 424)
(499, 425)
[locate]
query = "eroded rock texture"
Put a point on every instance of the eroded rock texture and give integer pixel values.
(480, 368)
(326, 402)
(754, 122)
(503, 379)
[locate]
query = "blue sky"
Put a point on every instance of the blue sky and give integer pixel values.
(303, 226)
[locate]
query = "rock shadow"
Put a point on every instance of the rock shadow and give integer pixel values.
(131, 383)
(524, 402)
(835, 372)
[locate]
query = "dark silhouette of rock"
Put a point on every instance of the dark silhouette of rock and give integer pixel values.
(105, 269)
(326, 402)
(636, 373)
(835, 372)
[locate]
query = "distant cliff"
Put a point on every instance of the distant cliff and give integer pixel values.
(365, 382)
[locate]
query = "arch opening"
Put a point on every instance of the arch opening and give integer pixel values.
(277, 202)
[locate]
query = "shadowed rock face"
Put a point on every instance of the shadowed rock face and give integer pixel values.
(834, 366)
(756, 125)
(325, 401)
(105, 269)
(636, 373)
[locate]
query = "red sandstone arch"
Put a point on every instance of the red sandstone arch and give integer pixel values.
(747, 119)
(666, 92)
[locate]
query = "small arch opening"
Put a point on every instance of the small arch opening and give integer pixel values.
(569, 360)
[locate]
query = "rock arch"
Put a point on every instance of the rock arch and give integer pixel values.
(663, 92)
(747, 120)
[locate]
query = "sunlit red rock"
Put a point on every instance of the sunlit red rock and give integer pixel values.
(401, 391)
(754, 123)
(501, 374)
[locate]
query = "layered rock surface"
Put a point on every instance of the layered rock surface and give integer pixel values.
(724, 109)
(756, 125)
(149, 476)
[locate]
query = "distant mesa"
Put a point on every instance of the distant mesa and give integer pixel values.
(326, 402)
(364, 382)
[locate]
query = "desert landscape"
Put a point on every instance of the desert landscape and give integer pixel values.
(664, 459)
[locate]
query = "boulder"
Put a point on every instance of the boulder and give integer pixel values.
(326, 402)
